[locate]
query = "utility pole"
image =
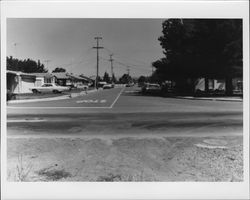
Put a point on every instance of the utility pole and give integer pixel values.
(111, 62)
(128, 72)
(71, 63)
(97, 59)
(128, 69)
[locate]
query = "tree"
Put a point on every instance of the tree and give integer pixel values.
(113, 79)
(154, 78)
(106, 77)
(125, 79)
(194, 48)
(59, 69)
(142, 79)
(27, 65)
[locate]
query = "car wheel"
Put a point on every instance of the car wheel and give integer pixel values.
(55, 91)
(35, 91)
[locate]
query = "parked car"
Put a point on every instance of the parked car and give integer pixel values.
(129, 84)
(141, 84)
(82, 86)
(71, 86)
(101, 84)
(108, 86)
(151, 88)
(167, 90)
(49, 87)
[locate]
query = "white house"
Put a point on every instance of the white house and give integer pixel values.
(42, 78)
(213, 84)
(19, 82)
(220, 84)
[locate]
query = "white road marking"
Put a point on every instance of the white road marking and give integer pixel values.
(92, 101)
(117, 98)
(119, 136)
(210, 146)
(25, 120)
(16, 107)
(13, 107)
(132, 91)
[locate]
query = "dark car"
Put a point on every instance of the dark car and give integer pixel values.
(131, 84)
(151, 88)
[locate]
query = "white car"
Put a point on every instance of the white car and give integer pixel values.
(49, 87)
(82, 86)
(108, 86)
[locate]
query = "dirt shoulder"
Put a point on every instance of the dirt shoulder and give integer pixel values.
(125, 159)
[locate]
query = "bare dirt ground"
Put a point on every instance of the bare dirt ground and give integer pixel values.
(126, 159)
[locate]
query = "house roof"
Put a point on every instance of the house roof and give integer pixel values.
(47, 75)
(61, 75)
(86, 78)
(65, 75)
(20, 73)
(76, 77)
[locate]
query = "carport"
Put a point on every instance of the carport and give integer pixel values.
(19, 82)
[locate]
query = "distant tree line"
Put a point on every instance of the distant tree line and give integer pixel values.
(196, 48)
(31, 66)
(26, 65)
(124, 79)
(58, 69)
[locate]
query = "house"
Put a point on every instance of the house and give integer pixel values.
(62, 78)
(87, 80)
(220, 85)
(42, 78)
(20, 82)
(213, 84)
(77, 80)
(67, 79)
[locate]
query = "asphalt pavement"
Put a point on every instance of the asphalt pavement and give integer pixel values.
(120, 112)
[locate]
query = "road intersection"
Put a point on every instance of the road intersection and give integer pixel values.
(121, 135)
(124, 110)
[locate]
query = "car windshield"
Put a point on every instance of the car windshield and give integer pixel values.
(46, 85)
(154, 86)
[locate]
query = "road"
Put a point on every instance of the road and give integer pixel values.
(123, 111)
(120, 135)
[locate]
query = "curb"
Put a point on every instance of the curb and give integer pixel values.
(73, 95)
(39, 100)
(68, 96)
(210, 99)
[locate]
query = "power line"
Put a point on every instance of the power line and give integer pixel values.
(138, 61)
(132, 66)
(135, 66)
(125, 65)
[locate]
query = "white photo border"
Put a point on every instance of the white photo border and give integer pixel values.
(123, 9)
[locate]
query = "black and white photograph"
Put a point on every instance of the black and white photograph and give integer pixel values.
(128, 99)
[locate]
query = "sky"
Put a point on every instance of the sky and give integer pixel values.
(68, 43)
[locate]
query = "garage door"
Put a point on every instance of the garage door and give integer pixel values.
(26, 84)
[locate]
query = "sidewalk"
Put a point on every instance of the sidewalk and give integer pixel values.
(61, 97)
(234, 99)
